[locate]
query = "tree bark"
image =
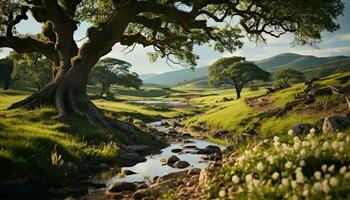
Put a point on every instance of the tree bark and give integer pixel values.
(238, 91)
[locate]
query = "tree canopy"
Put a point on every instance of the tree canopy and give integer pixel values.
(235, 71)
(114, 71)
(171, 27)
(32, 67)
(285, 76)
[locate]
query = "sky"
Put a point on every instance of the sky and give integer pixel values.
(336, 43)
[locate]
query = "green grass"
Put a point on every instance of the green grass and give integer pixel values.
(278, 126)
(37, 144)
(234, 115)
(28, 140)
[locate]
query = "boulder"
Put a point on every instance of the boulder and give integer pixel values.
(335, 123)
(131, 159)
(209, 150)
(139, 149)
(128, 172)
(302, 129)
(140, 194)
(321, 92)
(186, 135)
(220, 134)
(172, 159)
(190, 147)
(102, 167)
(197, 128)
(172, 132)
(176, 150)
(122, 186)
(165, 123)
(181, 164)
(194, 171)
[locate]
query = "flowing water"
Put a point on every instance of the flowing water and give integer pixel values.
(153, 166)
(168, 102)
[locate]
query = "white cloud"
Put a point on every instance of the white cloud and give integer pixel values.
(343, 37)
(326, 52)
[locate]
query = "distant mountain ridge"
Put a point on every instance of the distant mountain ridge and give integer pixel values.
(296, 61)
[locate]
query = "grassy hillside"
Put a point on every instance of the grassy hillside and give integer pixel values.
(296, 61)
(236, 116)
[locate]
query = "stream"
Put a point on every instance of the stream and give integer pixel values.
(153, 166)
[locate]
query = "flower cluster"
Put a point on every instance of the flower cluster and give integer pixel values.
(310, 167)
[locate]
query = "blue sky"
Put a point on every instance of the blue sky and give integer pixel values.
(336, 43)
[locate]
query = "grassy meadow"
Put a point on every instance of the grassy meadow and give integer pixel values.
(38, 144)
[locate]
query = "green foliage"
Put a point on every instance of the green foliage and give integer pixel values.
(113, 71)
(174, 27)
(33, 68)
(284, 77)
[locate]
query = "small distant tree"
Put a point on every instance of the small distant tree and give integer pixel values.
(235, 71)
(284, 77)
(114, 71)
(33, 67)
(6, 68)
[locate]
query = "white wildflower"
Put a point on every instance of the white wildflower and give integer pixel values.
(331, 168)
(296, 139)
(302, 152)
(294, 184)
(256, 182)
(285, 182)
(276, 138)
(270, 159)
(324, 168)
(235, 179)
(302, 163)
(276, 144)
(266, 141)
(288, 165)
(248, 178)
(222, 193)
(305, 192)
(343, 170)
(335, 145)
(317, 175)
(325, 145)
(275, 175)
(347, 139)
(290, 132)
(333, 181)
(260, 166)
(317, 186)
(312, 131)
(325, 186)
(347, 175)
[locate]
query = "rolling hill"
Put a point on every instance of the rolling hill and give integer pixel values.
(310, 64)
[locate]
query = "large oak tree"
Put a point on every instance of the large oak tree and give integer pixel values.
(171, 27)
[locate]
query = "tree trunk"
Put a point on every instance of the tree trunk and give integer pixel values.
(6, 84)
(67, 92)
(238, 92)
